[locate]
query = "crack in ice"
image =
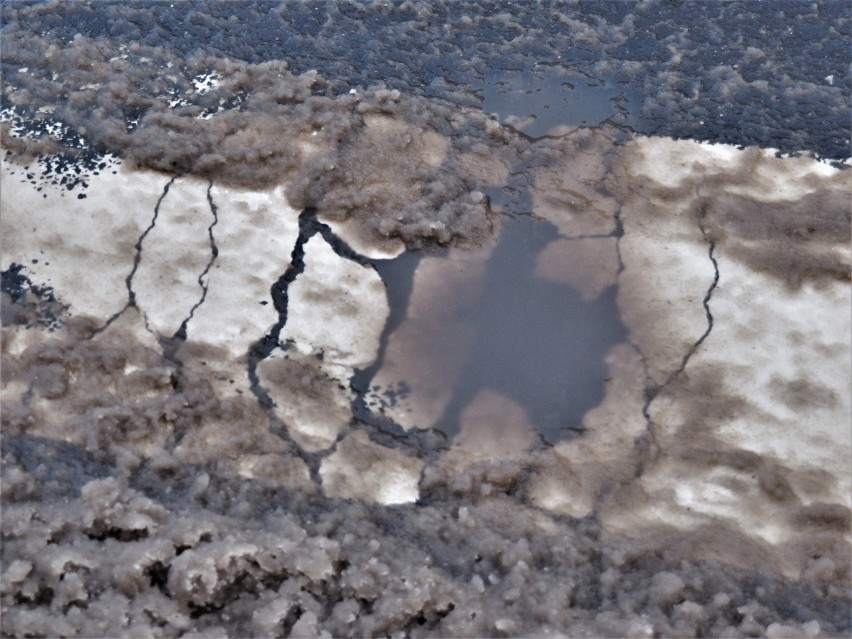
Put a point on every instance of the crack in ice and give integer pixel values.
(279, 292)
(180, 334)
(647, 442)
(309, 226)
(137, 258)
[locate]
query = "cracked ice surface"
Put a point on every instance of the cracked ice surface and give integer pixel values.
(188, 239)
(754, 431)
(725, 404)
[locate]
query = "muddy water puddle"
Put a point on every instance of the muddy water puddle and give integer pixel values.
(487, 343)
(550, 102)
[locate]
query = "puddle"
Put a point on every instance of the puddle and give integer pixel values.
(483, 324)
(543, 104)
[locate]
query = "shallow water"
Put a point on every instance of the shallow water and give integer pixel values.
(548, 101)
(510, 331)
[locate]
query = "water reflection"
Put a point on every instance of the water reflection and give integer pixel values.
(548, 103)
(487, 322)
